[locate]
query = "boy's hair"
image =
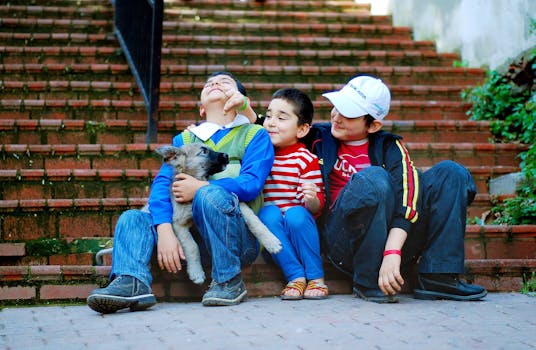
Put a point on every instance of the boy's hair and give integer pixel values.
(239, 85)
(301, 103)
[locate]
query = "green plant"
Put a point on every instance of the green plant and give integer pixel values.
(508, 101)
(529, 285)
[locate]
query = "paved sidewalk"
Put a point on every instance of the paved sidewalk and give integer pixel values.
(501, 321)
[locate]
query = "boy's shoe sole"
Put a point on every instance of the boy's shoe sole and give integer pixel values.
(215, 301)
(107, 304)
(431, 295)
(380, 299)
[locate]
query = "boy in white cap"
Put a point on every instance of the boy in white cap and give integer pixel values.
(382, 215)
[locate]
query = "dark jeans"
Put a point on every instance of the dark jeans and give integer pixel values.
(356, 229)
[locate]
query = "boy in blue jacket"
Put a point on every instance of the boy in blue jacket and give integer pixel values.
(382, 215)
(215, 208)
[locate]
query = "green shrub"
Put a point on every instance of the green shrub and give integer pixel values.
(508, 101)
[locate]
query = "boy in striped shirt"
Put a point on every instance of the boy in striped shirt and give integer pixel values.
(294, 195)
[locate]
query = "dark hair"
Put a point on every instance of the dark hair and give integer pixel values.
(239, 85)
(301, 103)
(368, 119)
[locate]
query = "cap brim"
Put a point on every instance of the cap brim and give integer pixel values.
(344, 104)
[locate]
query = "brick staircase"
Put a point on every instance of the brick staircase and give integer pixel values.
(72, 125)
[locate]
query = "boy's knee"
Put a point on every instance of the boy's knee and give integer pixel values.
(212, 196)
(375, 179)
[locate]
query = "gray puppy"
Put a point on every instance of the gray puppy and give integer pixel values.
(199, 161)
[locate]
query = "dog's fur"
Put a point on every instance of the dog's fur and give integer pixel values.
(199, 161)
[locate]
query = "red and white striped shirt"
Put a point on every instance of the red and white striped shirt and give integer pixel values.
(293, 166)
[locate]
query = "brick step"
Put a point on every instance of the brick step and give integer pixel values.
(360, 16)
(49, 25)
(35, 183)
(43, 284)
(94, 217)
(302, 5)
(184, 56)
(481, 242)
(57, 131)
(217, 41)
(233, 4)
(103, 10)
(57, 89)
(398, 75)
(102, 110)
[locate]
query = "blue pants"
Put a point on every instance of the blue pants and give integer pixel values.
(298, 233)
(357, 225)
(223, 235)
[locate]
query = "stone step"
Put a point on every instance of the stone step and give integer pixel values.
(35, 183)
(142, 156)
(28, 219)
(103, 11)
(220, 41)
(91, 89)
(209, 56)
(398, 75)
(134, 109)
(334, 5)
(43, 284)
(57, 131)
(290, 28)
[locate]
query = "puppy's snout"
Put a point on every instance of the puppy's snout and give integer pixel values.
(223, 158)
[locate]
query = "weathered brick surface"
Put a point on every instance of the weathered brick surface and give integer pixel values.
(17, 293)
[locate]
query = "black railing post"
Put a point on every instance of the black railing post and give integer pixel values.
(138, 26)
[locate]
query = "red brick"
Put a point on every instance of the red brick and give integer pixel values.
(17, 293)
(26, 227)
(46, 273)
(14, 273)
(85, 225)
(12, 249)
(71, 291)
(71, 259)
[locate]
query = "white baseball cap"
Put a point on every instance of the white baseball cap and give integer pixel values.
(362, 95)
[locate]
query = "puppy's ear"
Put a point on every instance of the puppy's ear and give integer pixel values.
(168, 153)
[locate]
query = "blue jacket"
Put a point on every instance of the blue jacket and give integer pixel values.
(385, 150)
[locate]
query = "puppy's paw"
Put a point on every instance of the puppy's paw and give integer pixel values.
(197, 275)
(272, 244)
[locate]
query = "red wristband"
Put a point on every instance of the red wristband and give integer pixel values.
(392, 251)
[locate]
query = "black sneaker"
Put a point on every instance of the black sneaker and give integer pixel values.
(123, 292)
(227, 293)
(446, 286)
(374, 294)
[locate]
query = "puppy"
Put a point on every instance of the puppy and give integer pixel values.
(199, 161)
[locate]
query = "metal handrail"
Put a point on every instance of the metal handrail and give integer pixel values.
(138, 27)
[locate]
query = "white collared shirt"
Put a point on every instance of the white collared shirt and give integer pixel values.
(205, 130)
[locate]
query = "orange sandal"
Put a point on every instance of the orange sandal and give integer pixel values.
(298, 286)
(319, 286)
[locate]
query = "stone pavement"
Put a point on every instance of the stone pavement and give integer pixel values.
(501, 321)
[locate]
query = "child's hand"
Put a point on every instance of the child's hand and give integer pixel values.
(235, 101)
(309, 191)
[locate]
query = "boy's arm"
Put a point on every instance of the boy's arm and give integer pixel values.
(405, 181)
(241, 104)
(256, 165)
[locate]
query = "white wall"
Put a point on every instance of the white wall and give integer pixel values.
(486, 33)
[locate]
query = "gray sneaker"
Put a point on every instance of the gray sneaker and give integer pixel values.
(227, 293)
(122, 292)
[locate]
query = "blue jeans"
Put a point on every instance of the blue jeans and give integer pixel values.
(223, 233)
(297, 231)
(358, 223)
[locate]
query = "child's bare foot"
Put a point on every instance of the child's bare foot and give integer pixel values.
(316, 289)
(294, 290)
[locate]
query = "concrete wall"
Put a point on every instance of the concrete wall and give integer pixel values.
(486, 33)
